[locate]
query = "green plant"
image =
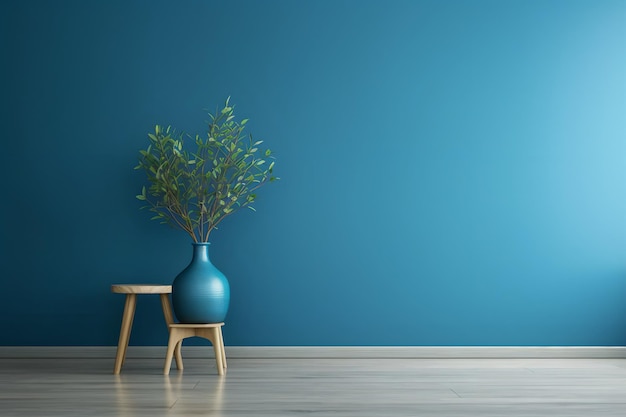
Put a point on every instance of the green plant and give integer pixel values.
(196, 190)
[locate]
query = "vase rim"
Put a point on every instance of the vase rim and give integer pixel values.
(200, 243)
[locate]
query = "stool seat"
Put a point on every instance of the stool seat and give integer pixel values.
(210, 331)
(131, 291)
(141, 289)
(196, 326)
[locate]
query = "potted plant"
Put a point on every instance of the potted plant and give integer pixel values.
(195, 190)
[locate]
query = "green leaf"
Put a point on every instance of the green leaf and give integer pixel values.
(222, 170)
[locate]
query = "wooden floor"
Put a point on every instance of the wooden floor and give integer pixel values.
(316, 387)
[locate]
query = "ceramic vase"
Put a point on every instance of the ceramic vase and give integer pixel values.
(200, 293)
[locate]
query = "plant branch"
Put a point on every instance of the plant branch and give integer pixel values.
(196, 191)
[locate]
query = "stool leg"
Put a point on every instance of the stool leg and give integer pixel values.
(171, 345)
(176, 338)
(130, 327)
(213, 336)
(169, 319)
(217, 348)
(127, 324)
(178, 355)
(223, 348)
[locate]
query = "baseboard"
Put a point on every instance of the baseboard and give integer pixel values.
(327, 352)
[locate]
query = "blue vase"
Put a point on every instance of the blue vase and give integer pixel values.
(200, 293)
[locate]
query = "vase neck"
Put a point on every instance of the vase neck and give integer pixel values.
(201, 252)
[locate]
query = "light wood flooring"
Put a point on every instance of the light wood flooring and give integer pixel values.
(315, 387)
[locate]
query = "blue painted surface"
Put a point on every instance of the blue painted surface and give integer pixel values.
(452, 171)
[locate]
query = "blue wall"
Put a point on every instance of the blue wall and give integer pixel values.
(452, 171)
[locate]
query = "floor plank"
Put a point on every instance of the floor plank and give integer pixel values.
(320, 387)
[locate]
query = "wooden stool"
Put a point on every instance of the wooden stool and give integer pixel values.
(210, 331)
(131, 291)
